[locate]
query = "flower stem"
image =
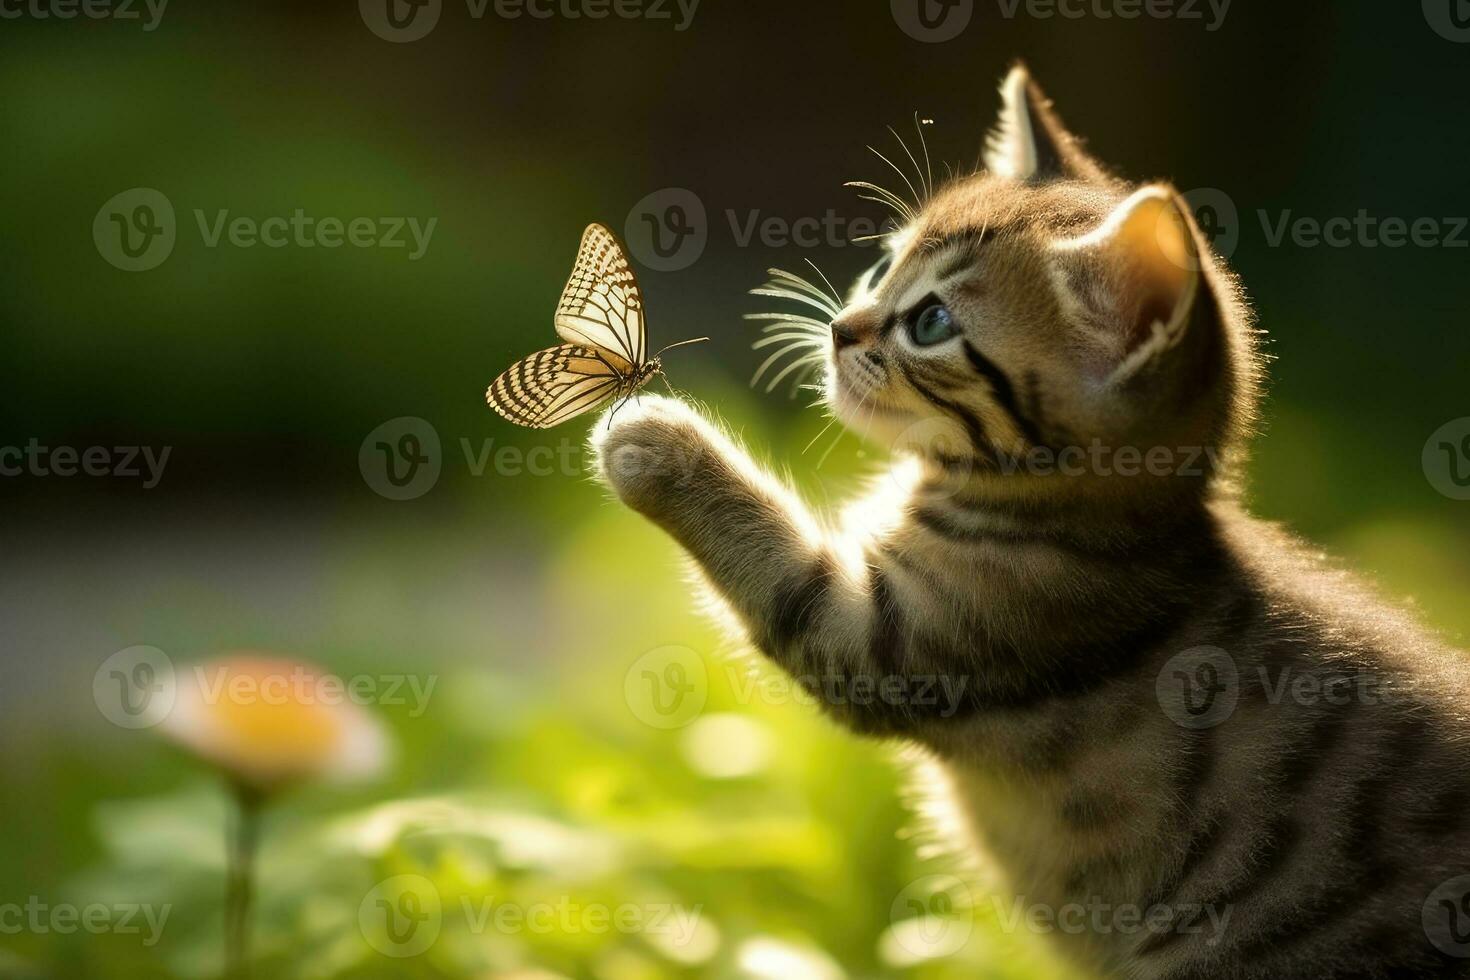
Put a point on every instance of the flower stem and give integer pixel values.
(240, 881)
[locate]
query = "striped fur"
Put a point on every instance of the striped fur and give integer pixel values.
(1024, 623)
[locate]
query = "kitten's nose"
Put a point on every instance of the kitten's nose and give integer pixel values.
(843, 334)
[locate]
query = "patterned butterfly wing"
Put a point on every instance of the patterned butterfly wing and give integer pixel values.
(559, 383)
(602, 306)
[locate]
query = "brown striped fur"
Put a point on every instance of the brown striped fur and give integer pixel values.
(1296, 836)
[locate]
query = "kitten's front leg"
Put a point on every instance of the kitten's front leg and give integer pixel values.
(806, 608)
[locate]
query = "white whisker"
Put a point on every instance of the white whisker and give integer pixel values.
(918, 202)
(809, 340)
(779, 293)
(784, 277)
(798, 363)
(798, 345)
(918, 171)
(836, 296)
(928, 165)
(778, 319)
(895, 203)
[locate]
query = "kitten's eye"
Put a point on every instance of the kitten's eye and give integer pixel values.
(933, 326)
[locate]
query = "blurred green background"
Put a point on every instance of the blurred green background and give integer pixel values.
(532, 777)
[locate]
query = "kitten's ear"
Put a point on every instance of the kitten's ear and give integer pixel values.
(1140, 273)
(1029, 142)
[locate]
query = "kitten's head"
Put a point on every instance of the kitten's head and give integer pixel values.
(1041, 307)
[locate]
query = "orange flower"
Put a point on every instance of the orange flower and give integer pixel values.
(270, 722)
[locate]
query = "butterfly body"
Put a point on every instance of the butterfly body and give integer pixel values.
(605, 351)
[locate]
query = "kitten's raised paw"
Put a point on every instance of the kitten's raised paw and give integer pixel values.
(648, 447)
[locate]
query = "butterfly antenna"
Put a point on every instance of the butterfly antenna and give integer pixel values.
(682, 343)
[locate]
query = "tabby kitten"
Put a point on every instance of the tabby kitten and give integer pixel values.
(1140, 696)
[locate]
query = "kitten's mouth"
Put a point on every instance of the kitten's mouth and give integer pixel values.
(856, 385)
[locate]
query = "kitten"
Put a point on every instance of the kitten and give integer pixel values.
(1141, 697)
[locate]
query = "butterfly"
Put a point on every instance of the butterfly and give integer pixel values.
(605, 354)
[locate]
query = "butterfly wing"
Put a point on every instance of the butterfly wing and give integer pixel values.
(602, 306)
(559, 383)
